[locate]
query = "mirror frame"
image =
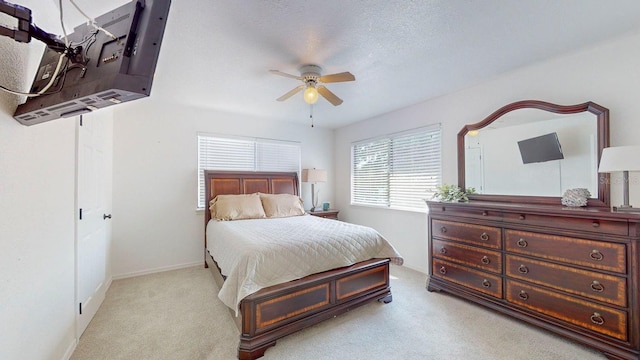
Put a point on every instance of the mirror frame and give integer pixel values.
(602, 118)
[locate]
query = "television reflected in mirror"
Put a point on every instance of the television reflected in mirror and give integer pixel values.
(540, 149)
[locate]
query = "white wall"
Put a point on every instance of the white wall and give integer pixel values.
(38, 212)
(37, 195)
(155, 223)
(607, 74)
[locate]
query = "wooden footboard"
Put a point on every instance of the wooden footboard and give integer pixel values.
(280, 310)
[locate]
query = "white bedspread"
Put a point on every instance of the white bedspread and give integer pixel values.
(254, 254)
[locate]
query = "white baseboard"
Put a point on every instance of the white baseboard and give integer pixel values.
(108, 285)
(420, 270)
(70, 350)
(157, 270)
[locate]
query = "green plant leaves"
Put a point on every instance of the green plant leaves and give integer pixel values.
(452, 193)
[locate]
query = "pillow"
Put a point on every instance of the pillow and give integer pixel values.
(236, 207)
(281, 205)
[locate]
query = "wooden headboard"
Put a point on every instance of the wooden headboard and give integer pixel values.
(246, 182)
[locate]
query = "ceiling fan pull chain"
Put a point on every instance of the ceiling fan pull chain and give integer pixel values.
(311, 113)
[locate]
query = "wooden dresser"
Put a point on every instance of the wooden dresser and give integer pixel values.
(574, 272)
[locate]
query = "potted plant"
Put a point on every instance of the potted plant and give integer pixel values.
(452, 193)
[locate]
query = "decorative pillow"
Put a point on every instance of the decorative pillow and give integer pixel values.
(236, 207)
(281, 205)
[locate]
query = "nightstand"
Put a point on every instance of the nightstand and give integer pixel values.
(328, 214)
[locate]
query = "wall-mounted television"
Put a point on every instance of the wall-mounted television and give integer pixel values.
(113, 71)
(540, 149)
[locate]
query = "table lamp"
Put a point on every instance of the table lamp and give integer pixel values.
(314, 176)
(621, 159)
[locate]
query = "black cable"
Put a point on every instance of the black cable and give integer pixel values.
(63, 74)
(93, 39)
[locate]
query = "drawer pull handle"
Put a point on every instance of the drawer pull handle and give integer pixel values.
(523, 295)
(596, 255)
(485, 260)
(443, 250)
(595, 224)
(443, 229)
(597, 319)
(484, 236)
(522, 243)
(521, 217)
(596, 286)
(443, 270)
(523, 269)
(486, 283)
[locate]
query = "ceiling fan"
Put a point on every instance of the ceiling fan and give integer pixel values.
(311, 78)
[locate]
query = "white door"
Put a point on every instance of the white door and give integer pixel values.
(474, 169)
(91, 230)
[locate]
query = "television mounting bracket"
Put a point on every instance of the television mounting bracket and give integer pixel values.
(27, 29)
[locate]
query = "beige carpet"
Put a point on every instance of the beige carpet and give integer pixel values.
(176, 315)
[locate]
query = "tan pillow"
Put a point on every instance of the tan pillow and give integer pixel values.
(281, 205)
(212, 207)
(236, 207)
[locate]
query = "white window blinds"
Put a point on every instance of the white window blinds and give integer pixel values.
(244, 154)
(397, 171)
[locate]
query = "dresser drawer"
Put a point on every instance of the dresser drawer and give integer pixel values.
(481, 235)
(462, 275)
(468, 255)
(591, 284)
(595, 254)
(591, 316)
(453, 209)
(592, 225)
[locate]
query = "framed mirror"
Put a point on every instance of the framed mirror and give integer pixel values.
(533, 151)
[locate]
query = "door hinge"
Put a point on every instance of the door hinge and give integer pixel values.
(80, 120)
(80, 308)
(80, 213)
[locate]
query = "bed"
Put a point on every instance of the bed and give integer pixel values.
(276, 311)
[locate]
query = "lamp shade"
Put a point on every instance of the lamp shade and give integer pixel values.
(314, 175)
(620, 158)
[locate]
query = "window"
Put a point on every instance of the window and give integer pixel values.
(244, 154)
(397, 171)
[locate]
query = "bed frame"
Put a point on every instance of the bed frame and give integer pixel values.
(282, 309)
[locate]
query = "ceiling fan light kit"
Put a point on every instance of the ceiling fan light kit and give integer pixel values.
(311, 93)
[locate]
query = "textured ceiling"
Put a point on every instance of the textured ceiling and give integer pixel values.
(216, 54)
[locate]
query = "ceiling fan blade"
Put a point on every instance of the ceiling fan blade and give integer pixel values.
(294, 91)
(278, 72)
(331, 97)
(339, 77)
